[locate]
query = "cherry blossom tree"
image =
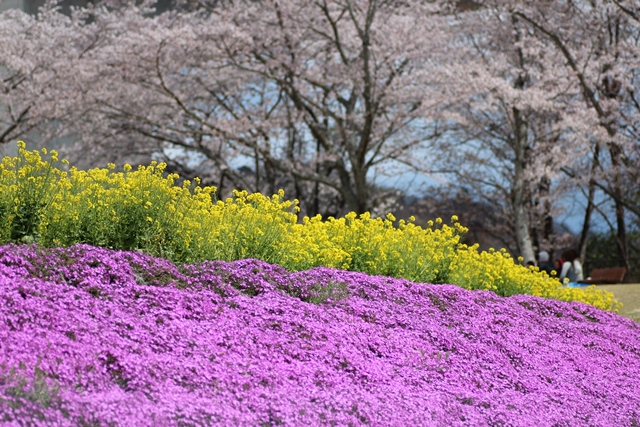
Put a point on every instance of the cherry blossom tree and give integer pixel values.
(510, 123)
(519, 100)
(321, 91)
(32, 58)
(554, 86)
(598, 41)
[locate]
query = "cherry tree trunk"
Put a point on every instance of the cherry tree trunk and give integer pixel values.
(523, 237)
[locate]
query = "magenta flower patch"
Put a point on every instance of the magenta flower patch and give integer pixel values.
(90, 336)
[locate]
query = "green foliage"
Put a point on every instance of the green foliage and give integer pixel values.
(602, 252)
(37, 390)
(331, 291)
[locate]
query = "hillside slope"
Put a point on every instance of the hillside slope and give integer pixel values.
(90, 336)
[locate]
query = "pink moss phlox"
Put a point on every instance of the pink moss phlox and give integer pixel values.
(90, 336)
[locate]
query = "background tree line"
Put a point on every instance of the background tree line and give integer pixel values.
(513, 106)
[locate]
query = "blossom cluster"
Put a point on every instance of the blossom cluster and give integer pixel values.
(143, 210)
(92, 336)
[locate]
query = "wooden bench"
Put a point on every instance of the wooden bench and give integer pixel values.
(602, 276)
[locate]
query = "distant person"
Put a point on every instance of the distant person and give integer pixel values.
(557, 265)
(571, 267)
(544, 264)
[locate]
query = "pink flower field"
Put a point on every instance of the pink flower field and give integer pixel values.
(95, 337)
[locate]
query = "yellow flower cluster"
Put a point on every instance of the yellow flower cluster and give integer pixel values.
(245, 226)
(145, 210)
(497, 271)
(28, 185)
(136, 210)
(375, 246)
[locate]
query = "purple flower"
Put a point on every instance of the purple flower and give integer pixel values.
(100, 337)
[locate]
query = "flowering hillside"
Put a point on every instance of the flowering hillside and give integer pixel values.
(97, 337)
(144, 210)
